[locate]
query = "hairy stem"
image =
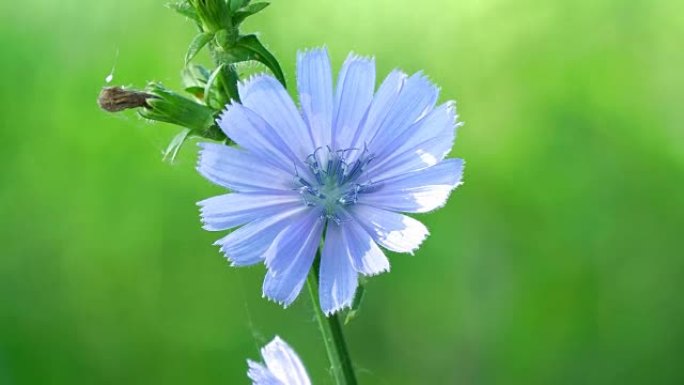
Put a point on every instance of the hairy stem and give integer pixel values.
(333, 336)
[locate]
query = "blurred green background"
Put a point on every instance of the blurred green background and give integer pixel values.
(560, 261)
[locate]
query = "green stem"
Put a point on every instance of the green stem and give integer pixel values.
(228, 77)
(331, 331)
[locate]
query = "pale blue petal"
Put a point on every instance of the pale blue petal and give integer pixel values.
(379, 108)
(260, 375)
(423, 145)
(416, 99)
(226, 211)
(284, 363)
(354, 93)
(240, 170)
(290, 256)
(393, 231)
(366, 257)
(419, 191)
(248, 244)
(248, 129)
(338, 278)
(314, 84)
(264, 95)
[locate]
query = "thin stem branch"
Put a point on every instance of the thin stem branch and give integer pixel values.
(333, 336)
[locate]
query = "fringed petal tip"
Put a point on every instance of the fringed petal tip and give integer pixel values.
(246, 85)
(283, 303)
(460, 181)
(278, 341)
(302, 53)
(201, 163)
(203, 220)
(202, 146)
(202, 208)
(420, 76)
(345, 305)
(398, 72)
(232, 261)
(208, 227)
(353, 56)
(225, 255)
(385, 269)
(222, 120)
(452, 111)
(246, 82)
(420, 242)
(276, 344)
(323, 50)
(202, 156)
(419, 239)
(199, 167)
(283, 364)
(425, 79)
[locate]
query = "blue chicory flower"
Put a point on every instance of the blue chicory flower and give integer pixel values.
(283, 366)
(343, 167)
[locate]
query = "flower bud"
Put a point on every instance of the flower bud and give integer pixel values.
(115, 99)
(168, 106)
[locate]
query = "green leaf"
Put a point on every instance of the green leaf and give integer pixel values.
(197, 44)
(356, 304)
(256, 7)
(197, 92)
(240, 15)
(171, 151)
(210, 83)
(185, 9)
(230, 81)
(194, 75)
(237, 4)
(249, 47)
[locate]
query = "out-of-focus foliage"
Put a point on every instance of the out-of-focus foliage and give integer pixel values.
(558, 262)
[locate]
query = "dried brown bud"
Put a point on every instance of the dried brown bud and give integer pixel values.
(115, 99)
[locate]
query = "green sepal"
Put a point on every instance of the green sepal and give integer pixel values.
(240, 15)
(248, 48)
(168, 106)
(356, 304)
(174, 146)
(214, 98)
(197, 44)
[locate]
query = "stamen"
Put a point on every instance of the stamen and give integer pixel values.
(336, 184)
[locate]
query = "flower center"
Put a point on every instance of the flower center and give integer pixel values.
(337, 183)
